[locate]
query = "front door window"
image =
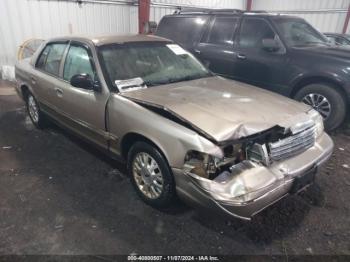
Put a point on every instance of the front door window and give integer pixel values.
(77, 62)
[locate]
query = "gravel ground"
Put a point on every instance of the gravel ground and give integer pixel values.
(60, 196)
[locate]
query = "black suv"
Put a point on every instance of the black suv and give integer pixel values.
(281, 53)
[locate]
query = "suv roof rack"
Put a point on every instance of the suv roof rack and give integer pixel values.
(256, 12)
(187, 10)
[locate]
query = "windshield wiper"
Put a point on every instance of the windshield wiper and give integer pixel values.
(156, 83)
(175, 80)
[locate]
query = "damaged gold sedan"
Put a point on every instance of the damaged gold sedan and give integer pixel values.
(183, 131)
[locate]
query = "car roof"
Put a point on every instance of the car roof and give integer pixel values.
(112, 39)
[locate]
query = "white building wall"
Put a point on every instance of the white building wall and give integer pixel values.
(325, 15)
(24, 19)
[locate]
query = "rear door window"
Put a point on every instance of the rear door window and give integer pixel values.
(221, 33)
(183, 30)
(50, 58)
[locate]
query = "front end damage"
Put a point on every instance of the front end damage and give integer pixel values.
(259, 147)
(255, 172)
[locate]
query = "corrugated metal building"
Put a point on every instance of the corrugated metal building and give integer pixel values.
(325, 15)
(24, 19)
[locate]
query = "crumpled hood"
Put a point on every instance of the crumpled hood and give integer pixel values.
(222, 108)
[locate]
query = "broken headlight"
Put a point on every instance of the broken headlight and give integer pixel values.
(208, 166)
(258, 153)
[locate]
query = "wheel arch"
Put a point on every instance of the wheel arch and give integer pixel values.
(131, 138)
(24, 90)
(317, 79)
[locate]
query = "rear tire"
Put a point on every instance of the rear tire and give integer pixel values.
(34, 112)
(151, 176)
(327, 100)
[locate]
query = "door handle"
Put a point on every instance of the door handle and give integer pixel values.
(59, 92)
(198, 52)
(241, 56)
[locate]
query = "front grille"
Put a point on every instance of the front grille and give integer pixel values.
(293, 144)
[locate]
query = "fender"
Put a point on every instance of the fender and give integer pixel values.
(311, 77)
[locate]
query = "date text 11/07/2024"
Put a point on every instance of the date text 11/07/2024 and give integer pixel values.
(173, 258)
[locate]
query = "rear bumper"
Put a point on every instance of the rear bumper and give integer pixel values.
(270, 183)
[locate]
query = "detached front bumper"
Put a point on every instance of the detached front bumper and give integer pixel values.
(266, 185)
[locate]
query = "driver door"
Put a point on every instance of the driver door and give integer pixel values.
(82, 109)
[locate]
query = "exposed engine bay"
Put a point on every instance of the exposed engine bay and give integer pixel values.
(273, 145)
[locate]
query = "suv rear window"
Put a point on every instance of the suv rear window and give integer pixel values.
(222, 31)
(183, 30)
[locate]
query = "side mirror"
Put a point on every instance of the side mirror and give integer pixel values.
(270, 45)
(84, 81)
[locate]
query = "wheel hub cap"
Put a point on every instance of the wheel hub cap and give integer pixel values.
(33, 109)
(147, 175)
(320, 103)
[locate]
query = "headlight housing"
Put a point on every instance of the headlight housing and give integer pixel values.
(318, 120)
(202, 164)
(208, 166)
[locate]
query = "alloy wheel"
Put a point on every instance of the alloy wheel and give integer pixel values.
(320, 103)
(147, 175)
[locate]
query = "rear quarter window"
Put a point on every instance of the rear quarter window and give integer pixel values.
(183, 30)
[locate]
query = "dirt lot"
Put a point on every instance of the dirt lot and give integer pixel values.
(60, 196)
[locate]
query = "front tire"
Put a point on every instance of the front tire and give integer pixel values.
(150, 175)
(34, 112)
(327, 100)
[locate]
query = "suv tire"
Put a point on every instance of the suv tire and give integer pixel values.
(151, 176)
(314, 94)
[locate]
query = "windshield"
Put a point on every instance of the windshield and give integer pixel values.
(298, 33)
(154, 63)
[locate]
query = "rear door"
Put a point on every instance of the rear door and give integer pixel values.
(47, 73)
(256, 65)
(82, 109)
(216, 48)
